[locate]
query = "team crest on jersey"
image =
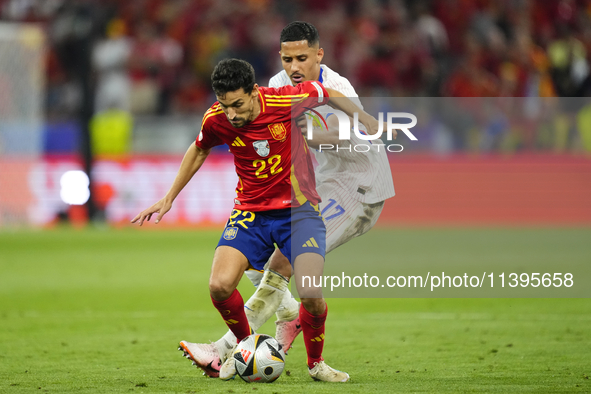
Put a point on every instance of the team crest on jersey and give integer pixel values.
(230, 233)
(278, 131)
(262, 148)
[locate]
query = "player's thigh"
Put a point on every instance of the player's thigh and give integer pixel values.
(250, 233)
(303, 232)
(245, 242)
(228, 266)
(280, 264)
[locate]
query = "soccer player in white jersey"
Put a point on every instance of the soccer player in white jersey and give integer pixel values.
(353, 187)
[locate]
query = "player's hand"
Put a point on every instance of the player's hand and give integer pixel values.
(302, 124)
(372, 126)
(161, 207)
(394, 132)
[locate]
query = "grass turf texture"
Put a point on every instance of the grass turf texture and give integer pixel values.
(102, 312)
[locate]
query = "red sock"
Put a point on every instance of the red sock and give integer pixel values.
(313, 331)
(232, 311)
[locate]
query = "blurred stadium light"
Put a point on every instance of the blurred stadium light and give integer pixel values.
(151, 61)
(74, 188)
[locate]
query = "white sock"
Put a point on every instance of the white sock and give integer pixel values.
(254, 276)
(266, 299)
(289, 308)
(225, 345)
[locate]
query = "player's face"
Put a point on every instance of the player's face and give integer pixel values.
(240, 107)
(300, 61)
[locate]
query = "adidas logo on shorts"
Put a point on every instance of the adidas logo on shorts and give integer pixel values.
(311, 243)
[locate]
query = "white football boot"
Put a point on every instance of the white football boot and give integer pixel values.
(228, 368)
(286, 332)
(324, 373)
(204, 356)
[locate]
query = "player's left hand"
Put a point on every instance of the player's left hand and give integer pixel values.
(394, 132)
(372, 126)
(161, 208)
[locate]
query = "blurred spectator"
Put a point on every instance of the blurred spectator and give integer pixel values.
(378, 73)
(568, 61)
(432, 30)
(469, 78)
(110, 60)
(154, 66)
(110, 132)
(434, 47)
(157, 55)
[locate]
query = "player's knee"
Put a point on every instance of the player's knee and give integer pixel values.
(315, 306)
(280, 264)
(220, 290)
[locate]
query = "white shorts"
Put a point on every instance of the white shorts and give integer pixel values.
(345, 217)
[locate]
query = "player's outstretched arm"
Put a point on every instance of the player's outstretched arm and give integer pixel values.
(191, 163)
(340, 101)
(321, 136)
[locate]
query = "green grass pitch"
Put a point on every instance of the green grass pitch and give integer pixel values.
(102, 311)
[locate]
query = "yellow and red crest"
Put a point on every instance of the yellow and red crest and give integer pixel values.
(278, 131)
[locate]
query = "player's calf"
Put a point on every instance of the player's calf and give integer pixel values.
(313, 326)
(232, 311)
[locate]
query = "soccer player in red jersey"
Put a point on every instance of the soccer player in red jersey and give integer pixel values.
(276, 199)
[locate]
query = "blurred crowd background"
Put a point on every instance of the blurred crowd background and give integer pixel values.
(99, 99)
(143, 60)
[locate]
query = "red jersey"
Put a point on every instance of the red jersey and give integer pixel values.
(273, 164)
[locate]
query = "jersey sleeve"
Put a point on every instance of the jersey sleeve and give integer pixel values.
(274, 81)
(207, 137)
(341, 84)
(304, 96)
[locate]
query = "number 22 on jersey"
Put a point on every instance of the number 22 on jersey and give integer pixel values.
(273, 162)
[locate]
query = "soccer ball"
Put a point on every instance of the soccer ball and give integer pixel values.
(258, 359)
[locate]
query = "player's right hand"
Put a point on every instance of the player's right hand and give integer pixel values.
(161, 208)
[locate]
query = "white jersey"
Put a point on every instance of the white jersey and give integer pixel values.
(366, 176)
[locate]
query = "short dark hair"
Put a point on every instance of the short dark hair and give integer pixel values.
(232, 74)
(300, 31)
